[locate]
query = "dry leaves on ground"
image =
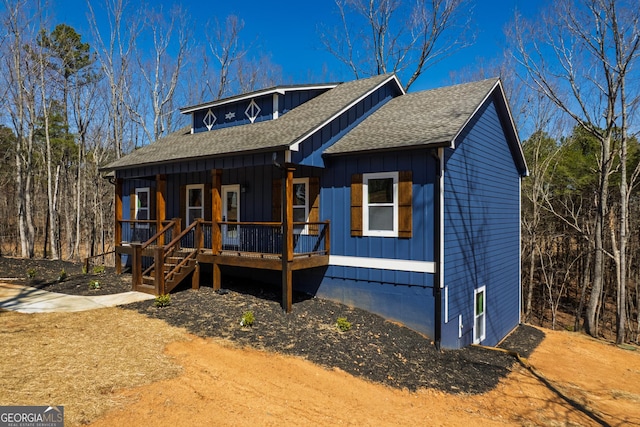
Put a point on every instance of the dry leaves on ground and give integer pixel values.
(78, 360)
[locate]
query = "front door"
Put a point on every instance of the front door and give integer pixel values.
(231, 213)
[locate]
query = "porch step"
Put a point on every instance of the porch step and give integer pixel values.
(178, 275)
(147, 289)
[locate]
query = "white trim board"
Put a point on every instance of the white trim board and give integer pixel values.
(383, 264)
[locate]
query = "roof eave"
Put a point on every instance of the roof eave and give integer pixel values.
(426, 145)
(192, 158)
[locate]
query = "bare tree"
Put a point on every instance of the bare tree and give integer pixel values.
(383, 36)
(160, 73)
(115, 53)
(40, 59)
(579, 55)
(254, 74)
(21, 84)
(225, 46)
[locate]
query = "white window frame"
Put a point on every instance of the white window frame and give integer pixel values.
(365, 204)
(187, 201)
(304, 181)
(137, 203)
(482, 317)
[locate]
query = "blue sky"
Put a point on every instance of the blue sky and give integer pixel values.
(289, 30)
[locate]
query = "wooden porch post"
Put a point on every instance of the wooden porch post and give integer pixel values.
(199, 241)
(216, 217)
(158, 259)
(216, 210)
(117, 234)
(161, 190)
(177, 229)
(287, 240)
(136, 265)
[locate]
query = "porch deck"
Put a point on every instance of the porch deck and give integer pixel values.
(157, 267)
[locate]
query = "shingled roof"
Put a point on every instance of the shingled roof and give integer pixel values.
(432, 117)
(290, 128)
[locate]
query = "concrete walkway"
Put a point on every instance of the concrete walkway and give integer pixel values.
(26, 299)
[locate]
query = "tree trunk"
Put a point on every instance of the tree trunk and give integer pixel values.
(586, 274)
(591, 324)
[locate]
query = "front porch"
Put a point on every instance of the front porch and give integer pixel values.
(158, 267)
(208, 228)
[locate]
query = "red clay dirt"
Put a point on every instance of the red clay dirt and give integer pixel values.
(226, 386)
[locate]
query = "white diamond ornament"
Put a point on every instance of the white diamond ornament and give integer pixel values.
(209, 119)
(252, 111)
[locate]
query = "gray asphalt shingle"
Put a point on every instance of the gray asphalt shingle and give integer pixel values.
(416, 119)
(273, 134)
(432, 117)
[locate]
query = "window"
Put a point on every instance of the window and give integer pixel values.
(142, 206)
(300, 204)
(195, 202)
(479, 307)
(380, 204)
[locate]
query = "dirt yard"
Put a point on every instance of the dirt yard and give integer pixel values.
(123, 375)
(225, 386)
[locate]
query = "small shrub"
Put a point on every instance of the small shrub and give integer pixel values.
(62, 276)
(98, 269)
(84, 269)
(247, 319)
(343, 324)
(162, 300)
(31, 273)
(94, 284)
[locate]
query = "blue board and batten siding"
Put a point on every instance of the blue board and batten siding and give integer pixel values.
(235, 114)
(256, 199)
(310, 152)
(481, 231)
(405, 296)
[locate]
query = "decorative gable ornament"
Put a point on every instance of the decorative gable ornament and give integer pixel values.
(209, 119)
(252, 111)
(230, 115)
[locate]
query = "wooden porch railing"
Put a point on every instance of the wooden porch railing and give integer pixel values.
(309, 238)
(242, 239)
(137, 230)
(160, 254)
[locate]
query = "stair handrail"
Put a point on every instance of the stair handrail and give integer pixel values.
(180, 236)
(179, 265)
(166, 249)
(163, 230)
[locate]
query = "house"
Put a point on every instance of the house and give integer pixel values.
(403, 204)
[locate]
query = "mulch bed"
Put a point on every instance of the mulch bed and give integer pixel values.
(47, 276)
(373, 348)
